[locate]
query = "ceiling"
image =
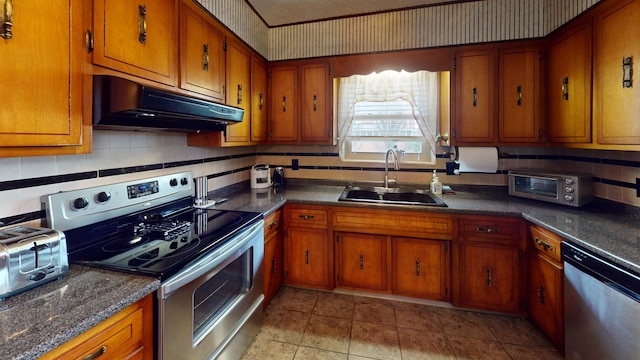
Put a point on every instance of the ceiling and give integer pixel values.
(287, 12)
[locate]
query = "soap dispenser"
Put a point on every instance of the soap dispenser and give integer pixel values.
(436, 185)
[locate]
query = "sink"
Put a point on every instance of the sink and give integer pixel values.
(381, 195)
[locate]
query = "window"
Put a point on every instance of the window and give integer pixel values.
(379, 111)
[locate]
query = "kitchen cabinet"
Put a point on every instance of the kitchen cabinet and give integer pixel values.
(202, 54)
(616, 94)
(520, 115)
(545, 300)
(474, 120)
(420, 268)
(139, 39)
(361, 261)
(126, 335)
(308, 252)
(273, 255)
(45, 91)
(300, 103)
(489, 264)
(239, 91)
(568, 84)
(259, 114)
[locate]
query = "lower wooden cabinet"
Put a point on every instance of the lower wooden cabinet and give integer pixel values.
(273, 256)
(126, 335)
(361, 261)
(420, 268)
(545, 275)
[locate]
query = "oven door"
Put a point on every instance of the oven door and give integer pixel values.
(213, 307)
(547, 188)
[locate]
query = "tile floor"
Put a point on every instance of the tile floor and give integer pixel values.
(304, 324)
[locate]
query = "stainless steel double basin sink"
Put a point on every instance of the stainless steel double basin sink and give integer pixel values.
(395, 195)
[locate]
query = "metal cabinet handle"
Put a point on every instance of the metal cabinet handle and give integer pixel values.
(284, 104)
(417, 267)
(314, 102)
(540, 290)
(627, 72)
(97, 353)
(487, 229)
(306, 217)
(274, 266)
(565, 88)
(205, 57)
(239, 94)
(545, 245)
(272, 224)
(489, 277)
(519, 97)
(361, 262)
(261, 101)
(6, 16)
(142, 24)
(88, 39)
(306, 257)
(475, 97)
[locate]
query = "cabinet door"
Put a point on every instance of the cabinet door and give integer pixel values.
(283, 125)
(419, 268)
(475, 115)
(137, 38)
(41, 74)
(545, 300)
(307, 257)
(259, 125)
(239, 90)
(489, 275)
(520, 115)
(315, 102)
(616, 103)
(568, 88)
(361, 261)
(202, 55)
(272, 266)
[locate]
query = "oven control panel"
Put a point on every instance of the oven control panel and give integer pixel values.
(75, 208)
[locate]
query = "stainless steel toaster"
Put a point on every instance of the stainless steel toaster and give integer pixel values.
(29, 257)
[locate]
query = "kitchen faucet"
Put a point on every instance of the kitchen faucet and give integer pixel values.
(386, 165)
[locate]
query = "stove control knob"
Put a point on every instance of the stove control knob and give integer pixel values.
(173, 182)
(103, 197)
(184, 181)
(80, 203)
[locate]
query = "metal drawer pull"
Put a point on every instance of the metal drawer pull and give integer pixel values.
(6, 17)
(314, 102)
(540, 294)
(489, 274)
(361, 262)
(487, 229)
(142, 24)
(306, 217)
(306, 257)
(519, 98)
(97, 353)
(274, 266)
(273, 224)
(418, 267)
(284, 104)
(627, 72)
(475, 97)
(545, 245)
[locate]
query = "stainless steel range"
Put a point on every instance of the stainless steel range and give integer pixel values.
(210, 300)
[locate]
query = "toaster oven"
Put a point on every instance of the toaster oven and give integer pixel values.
(29, 257)
(572, 189)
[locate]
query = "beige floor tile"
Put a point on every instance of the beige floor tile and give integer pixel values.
(305, 353)
(262, 349)
(419, 317)
(464, 323)
(336, 305)
(477, 349)
(376, 312)
(516, 331)
(422, 345)
(284, 325)
(375, 341)
(518, 352)
(327, 333)
(296, 299)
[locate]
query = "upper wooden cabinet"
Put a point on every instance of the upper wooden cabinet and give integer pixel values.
(520, 116)
(239, 91)
(616, 101)
(474, 120)
(42, 77)
(300, 103)
(137, 38)
(202, 55)
(568, 85)
(259, 115)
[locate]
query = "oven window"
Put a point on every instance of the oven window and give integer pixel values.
(212, 299)
(537, 186)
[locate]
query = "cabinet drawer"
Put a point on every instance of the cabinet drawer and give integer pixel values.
(546, 242)
(307, 216)
(495, 228)
(393, 222)
(272, 223)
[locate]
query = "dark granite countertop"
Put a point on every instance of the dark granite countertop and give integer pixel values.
(39, 320)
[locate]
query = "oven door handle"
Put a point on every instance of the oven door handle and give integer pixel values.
(210, 260)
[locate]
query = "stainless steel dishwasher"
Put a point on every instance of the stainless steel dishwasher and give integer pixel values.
(601, 307)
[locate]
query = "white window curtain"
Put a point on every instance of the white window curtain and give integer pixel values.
(420, 89)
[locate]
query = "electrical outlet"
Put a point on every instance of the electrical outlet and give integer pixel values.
(638, 187)
(294, 164)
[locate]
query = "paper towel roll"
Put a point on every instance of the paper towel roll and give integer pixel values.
(478, 159)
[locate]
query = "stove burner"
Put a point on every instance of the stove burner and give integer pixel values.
(120, 245)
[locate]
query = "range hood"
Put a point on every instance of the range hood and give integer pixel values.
(121, 104)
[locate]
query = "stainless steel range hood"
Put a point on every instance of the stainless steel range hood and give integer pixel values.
(121, 104)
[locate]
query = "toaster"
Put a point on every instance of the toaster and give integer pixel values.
(29, 257)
